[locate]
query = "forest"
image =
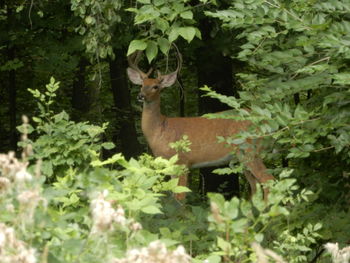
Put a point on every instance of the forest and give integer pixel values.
(78, 180)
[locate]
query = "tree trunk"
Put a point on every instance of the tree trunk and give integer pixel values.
(12, 91)
(126, 136)
(80, 93)
(12, 88)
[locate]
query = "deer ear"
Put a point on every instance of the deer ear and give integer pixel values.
(134, 76)
(168, 80)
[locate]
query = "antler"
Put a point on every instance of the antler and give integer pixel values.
(179, 59)
(179, 64)
(134, 60)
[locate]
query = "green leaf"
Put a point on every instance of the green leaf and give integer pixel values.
(259, 237)
(218, 199)
(213, 259)
(115, 158)
(144, 1)
(174, 34)
(187, 14)
(52, 80)
(72, 245)
(222, 171)
(164, 45)
(257, 200)
(90, 20)
(159, 2)
(187, 33)
(232, 207)
(318, 226)
(240, 225)
(46, 168)
(342, 78)
(19, 8)
(108, 145)
(136, 45)
(181, 189)
(198, 33)
(36, 119)
(223, 244)
(151, 210)
(161, 24)
(151, 50)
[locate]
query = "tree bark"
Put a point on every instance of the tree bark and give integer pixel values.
(12, 88)
(12, 91)
(126, 135)
(80, 94)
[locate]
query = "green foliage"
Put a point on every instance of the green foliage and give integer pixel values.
(118, 197)
(165, 21)
(295, 48)
(292, 245)
(98, 17)
(11, 65)
(294, 81)
(62, 143)
(295, 85)
(91, 209)
(239, 223)
(183, 145)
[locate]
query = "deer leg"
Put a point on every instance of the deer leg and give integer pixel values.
(252, 181)
(259, 172)
(182, 182)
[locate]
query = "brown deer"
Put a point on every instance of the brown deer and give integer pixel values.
(206, 151)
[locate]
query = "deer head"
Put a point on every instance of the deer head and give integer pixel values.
(150, 87)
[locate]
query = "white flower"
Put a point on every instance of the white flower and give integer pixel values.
(13, 249)
(119, 215)
(10, 236)
(29, 198)
(23, 176)
(156, 252)
(103, 214)
(338, 256)
(134, 254)
(4, 184)
(29, 201)
(2, 240)
(10, 208)
(26, 256)
(136, 226)
(332, 248)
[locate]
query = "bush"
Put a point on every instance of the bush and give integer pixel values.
(84, 209)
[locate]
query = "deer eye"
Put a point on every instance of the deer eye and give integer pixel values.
(156, 87)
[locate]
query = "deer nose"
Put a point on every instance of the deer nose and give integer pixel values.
(140, 97)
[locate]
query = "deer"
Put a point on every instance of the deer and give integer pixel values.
(206, 151)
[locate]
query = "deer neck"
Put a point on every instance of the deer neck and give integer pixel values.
(152, 118)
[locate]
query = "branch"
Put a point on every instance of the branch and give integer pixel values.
(311, 64)
(288, 127)
(323, 149)
(29, 13)
(288, 12)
